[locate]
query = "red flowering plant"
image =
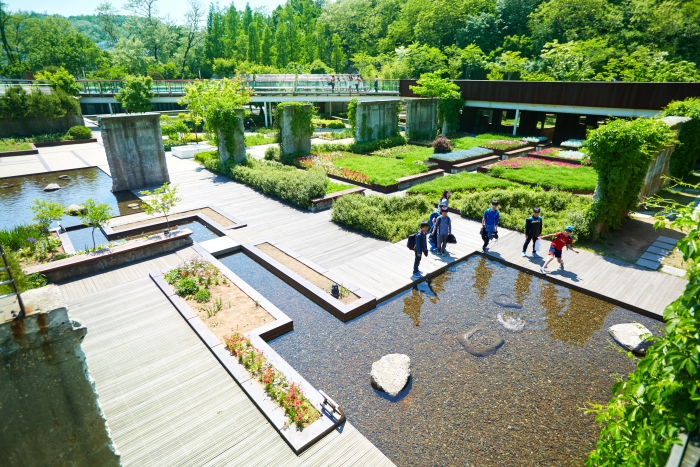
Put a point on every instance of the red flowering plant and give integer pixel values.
(518, 162)
(325, 162)
(552, 152)
(197, 271)
(288, 395)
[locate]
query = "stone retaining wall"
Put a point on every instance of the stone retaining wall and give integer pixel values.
(35, 126)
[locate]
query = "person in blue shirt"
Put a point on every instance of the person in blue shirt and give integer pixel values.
(489, 224)
(533, 229)
(443, 227)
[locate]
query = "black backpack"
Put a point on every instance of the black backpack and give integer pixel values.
(411, 243)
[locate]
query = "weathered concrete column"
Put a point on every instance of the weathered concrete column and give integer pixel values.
(239, 138)
(421, 117)
(291, 143)
(659, 167)
(375, 119)
(135, 153)
(50, 413)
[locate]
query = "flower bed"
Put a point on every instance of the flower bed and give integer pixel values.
(289, 396)
(572, 143)
(217, 301)
(558, 153)
(520, 162)
(504, 144)
(460, 155)
(535, 139)
(326, 163)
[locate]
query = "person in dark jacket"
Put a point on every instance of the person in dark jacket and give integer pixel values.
(489, 224)
(443, 227)
(421, 247)
(533, 229)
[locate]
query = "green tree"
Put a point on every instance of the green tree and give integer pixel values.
(433, 85)
(137, 94)
(282, 46)
(253, 43)
(266, 49)
(566, 62)
(45, 212)
(61, 80)
(338, 58)
(161, 201)
(247, 17)
(649, 65)
(466, 59)
(509, 63)
(95, 215)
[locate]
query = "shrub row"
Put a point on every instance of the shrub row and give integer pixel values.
(389, 218)
(559, 209)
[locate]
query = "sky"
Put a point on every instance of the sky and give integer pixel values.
(176, 8)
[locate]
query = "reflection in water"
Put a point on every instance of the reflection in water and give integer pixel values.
(482, 275)
(437, 285)
(412, 303)
(522, 286)
(572, 319)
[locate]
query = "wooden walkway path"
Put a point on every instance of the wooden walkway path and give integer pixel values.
(168, 401)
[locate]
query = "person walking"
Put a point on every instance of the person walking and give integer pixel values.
(443, 227)
(420, 247)
(533, 230)
(561, 240)
(376, 83)
(445, 199)
(357, 83)
(332, 83)
(489, 224)
(432, 234)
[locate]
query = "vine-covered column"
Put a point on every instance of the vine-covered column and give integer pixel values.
(296, 127)
(229, 131)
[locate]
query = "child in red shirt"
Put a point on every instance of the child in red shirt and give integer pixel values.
(561, 240)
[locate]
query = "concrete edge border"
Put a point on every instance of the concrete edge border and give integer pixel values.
(298, 440)
(49, 144)
(22, 152)
(364, 303)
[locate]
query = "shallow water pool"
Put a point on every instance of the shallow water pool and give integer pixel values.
(521, 406)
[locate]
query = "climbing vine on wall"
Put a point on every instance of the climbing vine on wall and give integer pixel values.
(621, 151)
(352, 113)
(302, 120)
(688, 149)
(366, 131)
(449, 109)
(228, 123)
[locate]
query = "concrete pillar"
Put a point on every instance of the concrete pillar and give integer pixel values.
(468, 119)
(379, 119)
(50, 412)
(135, 153)
(291, 143)
(568, 126)
(421, 116)
(515, 125)
(239, 141)
(529, 121)
(496, 119)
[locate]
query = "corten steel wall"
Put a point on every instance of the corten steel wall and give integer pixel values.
(134, 148)
(648, 96)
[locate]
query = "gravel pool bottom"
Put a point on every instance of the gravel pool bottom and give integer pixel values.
(521, 406)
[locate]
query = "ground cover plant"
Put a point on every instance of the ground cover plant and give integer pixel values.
(546, 173)
(503, 144)
(193, 275)
(562, 154)
(365, 147)
(380, 170)
(467, 142)
(535, 139)
(334, 135)
(460, 185)
(257, 140)
(461, 154)
(572, 143)
(332, 187)
(406, 152)
(641, 423)
(387, 217)
(288, 395)
(559, 209)
(9, 144)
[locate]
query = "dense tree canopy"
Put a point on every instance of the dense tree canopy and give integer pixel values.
(628, 40)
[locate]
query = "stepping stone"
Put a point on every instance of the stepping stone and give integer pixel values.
(628, 336)
(481, 342)
(673, 271)
(220, 246)
(670, 241)
(391, 373)
(75, 209)
(52, 187)
(648, 264)
(658, 251)
(663, 245)
(653, 257)
(64, 177)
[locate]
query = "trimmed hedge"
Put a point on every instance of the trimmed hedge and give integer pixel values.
(298, 187)
(559, 209)
(387, 217)
(688, 148)
(461, 182)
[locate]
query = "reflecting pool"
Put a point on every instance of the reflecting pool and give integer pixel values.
(17, 194)
(520, 406)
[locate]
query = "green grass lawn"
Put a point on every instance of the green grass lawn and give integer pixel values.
(485, 138)
(459, 185)
(12, 145)
(566, 178)
(257, 140)
(332, 187)
(408, 153)
(380, 170)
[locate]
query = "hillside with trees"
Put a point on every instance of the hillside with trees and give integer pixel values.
(562, 40)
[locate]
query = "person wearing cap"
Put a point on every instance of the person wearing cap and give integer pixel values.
(489, 224)
(533, 229)
(443, 227)
(421, 247)
(561, 239)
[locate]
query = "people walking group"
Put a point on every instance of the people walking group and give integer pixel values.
(437, 233)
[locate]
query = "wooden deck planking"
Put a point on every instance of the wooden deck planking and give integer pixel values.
(169, 402)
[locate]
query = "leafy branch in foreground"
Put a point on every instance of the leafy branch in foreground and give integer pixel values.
(642, 421)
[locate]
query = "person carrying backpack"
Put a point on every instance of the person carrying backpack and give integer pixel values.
(443, 227)
(489, 224)
(561, 240)
(418, 242)
(533, 230)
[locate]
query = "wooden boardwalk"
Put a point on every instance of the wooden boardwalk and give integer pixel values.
(168, 401)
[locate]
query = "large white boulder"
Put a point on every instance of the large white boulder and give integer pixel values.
(390, 373)
(629, 336)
